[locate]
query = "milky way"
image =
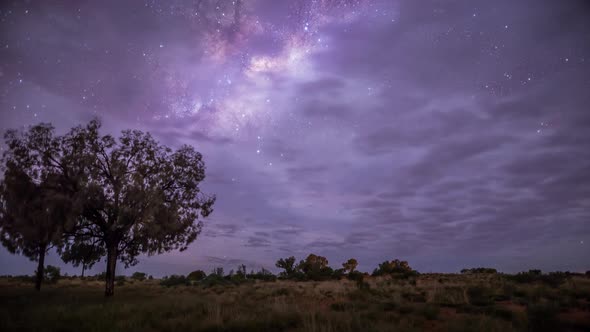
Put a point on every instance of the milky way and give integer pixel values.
(450, 134)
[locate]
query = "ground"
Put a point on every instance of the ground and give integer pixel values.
(434, 302)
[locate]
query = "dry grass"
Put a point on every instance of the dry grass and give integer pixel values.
(430, 302)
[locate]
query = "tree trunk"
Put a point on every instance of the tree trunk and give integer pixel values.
(83, 268)
(40, 267)
(110, 275)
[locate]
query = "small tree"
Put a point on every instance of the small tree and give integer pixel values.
(350, 265)
(288, 265)
(79, 252)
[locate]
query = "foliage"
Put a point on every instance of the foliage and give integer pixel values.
(140, 197)
(553, 279)
(393, 267)
(288, 265)
(315, 267)
(480, 270)
(174, 280)
(78, 252)
(35, 199)
(197, 275)
(52, 274)
(263, 274)
(139, 276)
(350, 265)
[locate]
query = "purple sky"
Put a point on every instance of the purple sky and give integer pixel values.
(450, 134)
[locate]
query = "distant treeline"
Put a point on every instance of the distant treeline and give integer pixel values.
(312, 268)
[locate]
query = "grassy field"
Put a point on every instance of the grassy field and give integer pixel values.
(432, 302)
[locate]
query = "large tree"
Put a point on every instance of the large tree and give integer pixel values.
(140, 197)
(35, 205)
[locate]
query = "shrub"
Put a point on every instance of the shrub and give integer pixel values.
(480, 270)
(52, 274)
(174, 280)
(197, 275)
(391, 267)
(139, 276)
(263, 274)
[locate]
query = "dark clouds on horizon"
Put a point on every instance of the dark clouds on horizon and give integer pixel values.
(450, 134)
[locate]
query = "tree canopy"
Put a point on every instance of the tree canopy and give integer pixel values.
(100, 195)
(35, 199)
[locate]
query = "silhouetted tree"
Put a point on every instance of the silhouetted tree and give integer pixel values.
(35, 205)
(288, 265)
(394, 266)
(85, 253)
(140, 197)
(350, 265)
(315, 267)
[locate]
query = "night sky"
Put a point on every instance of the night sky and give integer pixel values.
(450, 134)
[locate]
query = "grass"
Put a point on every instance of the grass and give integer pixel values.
(460, 303)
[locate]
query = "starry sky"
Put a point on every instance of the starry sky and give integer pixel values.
(450, 134)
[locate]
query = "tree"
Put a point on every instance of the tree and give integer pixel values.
(287, 264)
(315, 267)
(394, 266)
(35, 201)
(81, 252)
(139, 197)
(350, 265)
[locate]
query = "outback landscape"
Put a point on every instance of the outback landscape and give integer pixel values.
(398, 301)
(294, 165)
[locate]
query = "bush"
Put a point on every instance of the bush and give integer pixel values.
(263, 274)
(395, 266)
(479, 270)
(52, 274)
(197, 275)
(139, 276)
(553, 279)
(174, 280)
